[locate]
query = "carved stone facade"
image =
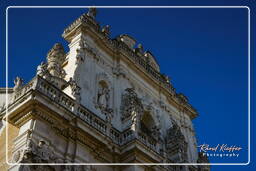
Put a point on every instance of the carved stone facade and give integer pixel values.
(102, 102)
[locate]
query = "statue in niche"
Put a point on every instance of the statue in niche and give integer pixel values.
(18, 83)
(103, 96)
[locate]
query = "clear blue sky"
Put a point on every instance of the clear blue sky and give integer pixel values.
(204, 51)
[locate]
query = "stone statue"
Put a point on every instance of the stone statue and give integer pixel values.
(103, 97)
(41, 69)
(18, 84)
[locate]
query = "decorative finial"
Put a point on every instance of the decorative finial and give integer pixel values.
(92, 12)
(55, 58)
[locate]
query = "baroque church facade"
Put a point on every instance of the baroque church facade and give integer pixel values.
(104, 101)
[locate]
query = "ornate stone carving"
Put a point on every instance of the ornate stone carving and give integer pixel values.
(131, 105)
(52, 71)
(176, 144)
(43, 72)
(103, 95)
(124, 45)
(103, 98)
(38, 153)
(18, 82)
(41, 69)
(81, 52)
(118, 71)
(75, 89)
(55, 58)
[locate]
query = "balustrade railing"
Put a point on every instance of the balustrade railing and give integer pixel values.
(56, 95)
(148, 141)
(127, 136)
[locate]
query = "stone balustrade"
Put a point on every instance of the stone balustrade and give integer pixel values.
(148, 141)
(56, 95)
